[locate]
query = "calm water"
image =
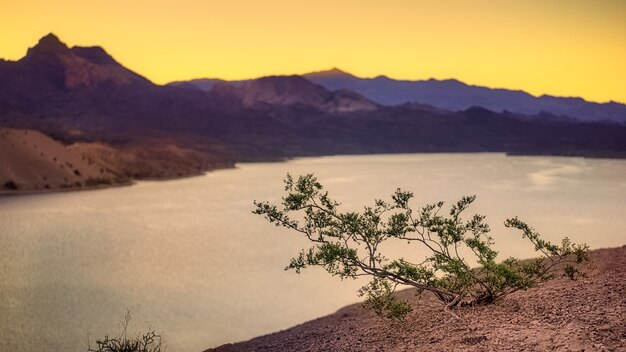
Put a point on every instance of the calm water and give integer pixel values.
(189, 257)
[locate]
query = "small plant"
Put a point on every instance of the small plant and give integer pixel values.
(572, 272)
(11, 185)
(148, 342)
(93, 182)
(348, 245)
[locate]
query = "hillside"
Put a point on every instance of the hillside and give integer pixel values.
(293, 91)
(559, 315)
(31, 161)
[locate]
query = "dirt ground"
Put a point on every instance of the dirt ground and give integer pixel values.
(588, 314)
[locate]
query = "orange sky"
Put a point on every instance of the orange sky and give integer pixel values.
(559, 47)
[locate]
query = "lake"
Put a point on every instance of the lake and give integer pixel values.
(190, 258)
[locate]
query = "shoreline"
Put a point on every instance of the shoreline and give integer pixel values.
(564, 315)
(133, 181)
(130, 182)
(33, 192)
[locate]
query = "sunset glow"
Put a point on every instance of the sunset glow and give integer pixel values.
(557, 47)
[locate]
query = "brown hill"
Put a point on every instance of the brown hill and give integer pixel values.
(559, 315)
(154, 159)
(31, 161)
(294, 90)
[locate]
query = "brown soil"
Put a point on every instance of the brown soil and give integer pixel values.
(154, 160)
(33, 162)
(588, 314)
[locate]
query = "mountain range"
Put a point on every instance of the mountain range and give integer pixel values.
(453, 95)
(83, 96)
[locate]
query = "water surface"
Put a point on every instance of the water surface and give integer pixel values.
(189, 257)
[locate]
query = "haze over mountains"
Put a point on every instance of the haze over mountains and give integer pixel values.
(81, 95)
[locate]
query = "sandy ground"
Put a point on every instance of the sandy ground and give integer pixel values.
(588, 314)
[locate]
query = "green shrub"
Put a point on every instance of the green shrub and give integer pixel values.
(348, 245)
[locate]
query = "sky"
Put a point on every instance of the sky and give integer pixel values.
(557, 47)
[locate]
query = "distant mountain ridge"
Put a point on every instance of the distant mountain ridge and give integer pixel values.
(450, 94)
(455, 95)
(293, 91)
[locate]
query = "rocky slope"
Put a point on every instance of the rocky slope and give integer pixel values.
(588, 314)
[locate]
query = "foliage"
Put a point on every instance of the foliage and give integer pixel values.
(148, 342)
(348, 245)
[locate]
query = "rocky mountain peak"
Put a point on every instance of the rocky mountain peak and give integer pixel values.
(49, 43)
(332, 73)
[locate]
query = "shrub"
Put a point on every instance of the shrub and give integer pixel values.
(93, 182)
(148, 342)
(348, 245)
(11, 185)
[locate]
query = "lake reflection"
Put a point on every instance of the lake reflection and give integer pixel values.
(189, 257)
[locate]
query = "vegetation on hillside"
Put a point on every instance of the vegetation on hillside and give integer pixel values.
(349, 245)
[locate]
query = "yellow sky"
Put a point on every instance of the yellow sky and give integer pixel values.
(559, 47)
